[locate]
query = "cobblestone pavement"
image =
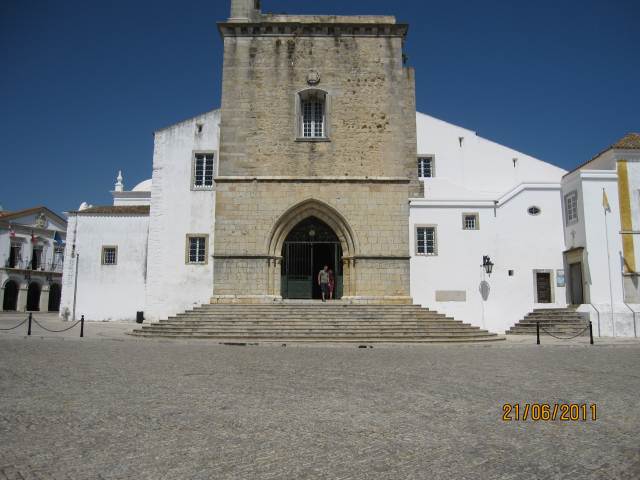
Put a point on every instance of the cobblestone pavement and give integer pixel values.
(149, 409)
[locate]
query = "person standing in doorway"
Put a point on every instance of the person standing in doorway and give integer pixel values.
(323, 281)
(332, 284)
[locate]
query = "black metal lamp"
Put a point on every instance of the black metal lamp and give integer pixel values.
(487, 264)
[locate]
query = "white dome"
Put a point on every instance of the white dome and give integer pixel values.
(143, 186)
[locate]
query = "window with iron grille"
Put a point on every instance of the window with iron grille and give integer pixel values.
(15, 257)
(425, 167)
(313, 114)
(426, 241)
(110, 255)
(203, 170)
(36, 257)
(571, 207)
(58, 257)
(470, 221)
(197, 249)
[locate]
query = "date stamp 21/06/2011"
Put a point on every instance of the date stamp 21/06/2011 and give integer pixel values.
(549, 412)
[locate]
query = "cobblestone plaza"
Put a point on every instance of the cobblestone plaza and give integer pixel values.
(112, 407)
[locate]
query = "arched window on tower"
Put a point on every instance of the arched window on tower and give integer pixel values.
(313, 114)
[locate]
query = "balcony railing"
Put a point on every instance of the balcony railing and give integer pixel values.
(19, 264)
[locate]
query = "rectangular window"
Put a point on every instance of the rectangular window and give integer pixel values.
(425, 167)
(571, 207)
(312, 106)
(58, 258)
(36, 258)
(470, 221)
(197, 249)
(426, 241)
(109, 255)
(14, 256)
(203, 170)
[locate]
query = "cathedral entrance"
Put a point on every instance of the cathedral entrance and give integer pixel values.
(310, 246)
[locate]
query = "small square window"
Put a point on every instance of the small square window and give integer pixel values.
(109, 255)
(426, 241)
(203, 170)
(470, 221)
(425, 167)
(197, 249)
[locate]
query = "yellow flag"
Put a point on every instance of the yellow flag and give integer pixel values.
(605, 201)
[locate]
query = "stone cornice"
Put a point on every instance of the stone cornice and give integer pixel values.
(320, 29)
(287, 179)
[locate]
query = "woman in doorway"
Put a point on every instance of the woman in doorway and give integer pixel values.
(332, 284)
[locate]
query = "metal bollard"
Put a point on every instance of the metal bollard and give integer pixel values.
(538, 333)
(29, 329)
(82, 326)
(591, 332)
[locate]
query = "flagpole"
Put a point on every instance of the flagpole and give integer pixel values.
(606, 232)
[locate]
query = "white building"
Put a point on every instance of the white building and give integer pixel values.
(481, 199)
(601, 211)
(484, 199)
(31, 259)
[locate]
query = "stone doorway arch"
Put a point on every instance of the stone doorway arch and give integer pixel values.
(310, 246)
(10, 299)
(329, 216)
(54, 297)
(33, 297)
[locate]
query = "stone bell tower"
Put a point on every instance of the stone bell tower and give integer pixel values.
(317, 127)
(244, 10)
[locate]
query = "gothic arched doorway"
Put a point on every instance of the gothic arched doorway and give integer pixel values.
(33, 297)
(10, 301)
(308, 247)
(54, 297)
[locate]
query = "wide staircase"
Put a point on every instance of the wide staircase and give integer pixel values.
(314, 322)
(557, 321)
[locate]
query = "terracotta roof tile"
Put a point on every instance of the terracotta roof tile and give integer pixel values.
(30, 211)
(631, 141)
(116, 210)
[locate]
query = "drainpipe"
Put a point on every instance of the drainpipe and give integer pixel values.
(635, 333)
(598, 312)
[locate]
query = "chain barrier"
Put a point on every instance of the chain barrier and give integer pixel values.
(30, 319)
(56, 331)
(589, 327)
(13, 328)
(564, 338)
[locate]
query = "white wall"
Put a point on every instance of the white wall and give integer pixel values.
(105, 292)
(477, 169)
(512, 238)
(178, 210)
(473, 174)
(603, 292)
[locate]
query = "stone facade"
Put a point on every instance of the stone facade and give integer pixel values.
(358, 179)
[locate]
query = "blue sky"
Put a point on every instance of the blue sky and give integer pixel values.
(85, 83)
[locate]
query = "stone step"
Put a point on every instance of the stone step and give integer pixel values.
(292, 319)
(548, 322)
(542, 334)
(311, 317)
(310, 329)
(557, 321)
(318, 333)
(315, 322)
(552, 310)
(322, 308)
(332, 339)
(413, 325)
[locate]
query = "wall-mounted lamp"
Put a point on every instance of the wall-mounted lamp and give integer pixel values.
(487, 264)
